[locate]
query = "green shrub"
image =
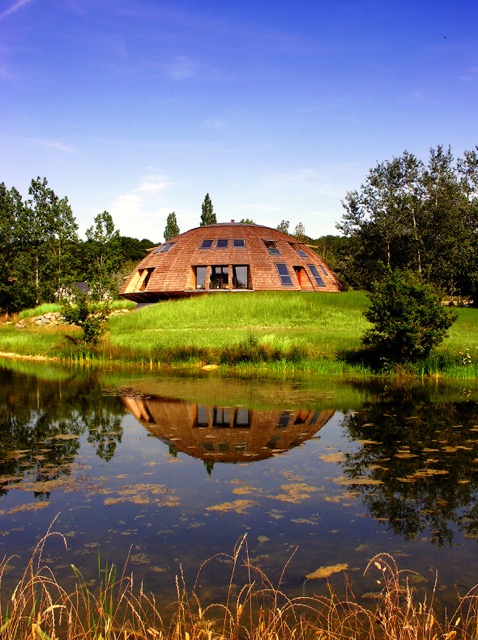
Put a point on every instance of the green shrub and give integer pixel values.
(408, 319)
(90, 316)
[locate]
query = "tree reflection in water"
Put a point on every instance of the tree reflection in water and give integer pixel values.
(41, 423)
(417, 464)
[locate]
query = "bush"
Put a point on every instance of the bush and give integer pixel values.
(408, 317)
(90, 316)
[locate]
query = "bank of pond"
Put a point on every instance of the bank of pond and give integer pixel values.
(233, 506)
(286, 333)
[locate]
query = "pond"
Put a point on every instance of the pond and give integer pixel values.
(168, 474)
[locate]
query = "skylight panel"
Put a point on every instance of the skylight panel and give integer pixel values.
(272, 247)
(317, 277)
(284, 274)
(165, 247)
(299, 249)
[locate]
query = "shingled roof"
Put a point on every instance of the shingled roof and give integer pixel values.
(228, 257)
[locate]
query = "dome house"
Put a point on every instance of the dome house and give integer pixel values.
(228, 257)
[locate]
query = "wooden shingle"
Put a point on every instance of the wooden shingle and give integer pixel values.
(228, 257)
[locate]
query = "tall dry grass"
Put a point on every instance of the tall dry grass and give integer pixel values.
(38, 607)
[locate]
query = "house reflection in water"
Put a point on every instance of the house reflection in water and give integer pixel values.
(225, 434)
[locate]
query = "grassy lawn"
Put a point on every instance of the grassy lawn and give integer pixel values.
(321, 324)
(291, 330)
(34, 341)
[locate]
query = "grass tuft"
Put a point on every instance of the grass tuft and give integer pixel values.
(40, 310)
(253, 607)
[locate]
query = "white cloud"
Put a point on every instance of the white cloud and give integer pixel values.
(214, 123)
(16, 6)
(263, 207)
(470, 75)
(54, 145)
(182, 68)
(141, 211)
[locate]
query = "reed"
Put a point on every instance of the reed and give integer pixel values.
(253, 607)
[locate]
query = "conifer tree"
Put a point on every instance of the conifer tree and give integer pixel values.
(172, 228)
(207, 216)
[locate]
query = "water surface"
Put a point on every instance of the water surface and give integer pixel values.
(166, 472)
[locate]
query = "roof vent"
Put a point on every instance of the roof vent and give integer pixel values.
(233, 221)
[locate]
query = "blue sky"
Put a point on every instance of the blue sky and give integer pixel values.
(275, 108)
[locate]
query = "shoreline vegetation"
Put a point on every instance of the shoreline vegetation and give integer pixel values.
(114, 607)
(276, 333)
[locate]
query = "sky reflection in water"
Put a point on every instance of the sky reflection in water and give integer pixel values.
(168, 472)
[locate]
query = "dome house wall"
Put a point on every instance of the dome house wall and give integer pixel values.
(228, 257)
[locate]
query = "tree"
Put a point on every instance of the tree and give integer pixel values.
(172, 229)
(90, 316)
(47, 232)
(283, 227)
(408, 319)
(134, 250)
(103, 249)
(207, 216)
(299, 232)
(449, 238)
(10, 205)
(417, 216)
(385, 217)
(247, 221)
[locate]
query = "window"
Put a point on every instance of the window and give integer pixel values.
(222, 243)
(242, 419)
(284, 419)
(165, 247)
(284, 275)
(201, 417)
(299, 249)
(238, 243)
(206, 244)
(273, 441)
(315, 273)
(314, 418)
(220, 417)
(219, 277)
(272, 247)
(140, 280)
(324, 270)
(200, 277)
(301, 417)
(240, 277)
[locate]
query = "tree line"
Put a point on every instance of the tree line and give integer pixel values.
(407, 215)
(416, 216)
(42, 256)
